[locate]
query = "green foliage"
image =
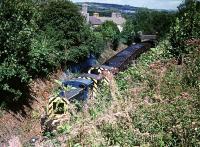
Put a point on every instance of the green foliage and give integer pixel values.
(92, 43)
(186, 27)
(65, 129)
(128, 33)
(168, 110)
(118, 135)
(172, 123)
(37, 38)
(192, 73)
(152, 22)
(147, 21)
(43, 55)
(17, 29)
(110, 32)
(76, 41)
(63, 16)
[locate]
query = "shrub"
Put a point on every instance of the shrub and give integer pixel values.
(185, 28)
(147, 21)
(43, 55)
(128, 33)
(110, 33)
(17, 29)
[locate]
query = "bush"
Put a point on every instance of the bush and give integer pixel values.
(185, 28)
(147, 21)
(110, 32)
(43, 55)
(17, 29)
(37, 39)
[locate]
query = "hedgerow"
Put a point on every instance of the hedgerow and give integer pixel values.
(110, 33)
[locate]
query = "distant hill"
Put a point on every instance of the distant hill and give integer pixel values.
(106, 9)
(103, 7)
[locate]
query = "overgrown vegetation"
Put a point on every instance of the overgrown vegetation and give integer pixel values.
(38, 38)
(159, 102)
(110, 32)
(185, 27)
(147, 21)
(17, 29)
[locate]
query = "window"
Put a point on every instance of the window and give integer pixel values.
(58, 107)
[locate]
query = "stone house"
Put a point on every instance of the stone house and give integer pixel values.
(97, 20)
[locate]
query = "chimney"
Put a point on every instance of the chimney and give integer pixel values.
(118, 15)
(84, 8)
(84, 12)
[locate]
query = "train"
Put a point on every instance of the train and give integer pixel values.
(85, 86)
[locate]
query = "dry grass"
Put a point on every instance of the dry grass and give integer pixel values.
(22, 126)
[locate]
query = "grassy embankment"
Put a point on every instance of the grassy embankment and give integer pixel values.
(158, 106)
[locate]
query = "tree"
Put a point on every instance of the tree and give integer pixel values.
(128, 32)
(17, 28)
(110, 32)
(147, 22)
(186, 27)
(74, 35)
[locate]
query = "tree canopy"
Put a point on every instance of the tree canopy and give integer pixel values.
(37, 38)
(185, 27)
(110, 33)
(148, 22)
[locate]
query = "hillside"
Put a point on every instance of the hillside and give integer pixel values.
(102, 7)
(154, 106)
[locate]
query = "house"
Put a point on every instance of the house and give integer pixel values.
(97, 20)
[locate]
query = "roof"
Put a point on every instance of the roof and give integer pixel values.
(95, 21)
(78, 80)
(124, 54)
(121, 57)
(116, 62)
(71, 94)
(117, 20)
(93, 76)
(99, 20)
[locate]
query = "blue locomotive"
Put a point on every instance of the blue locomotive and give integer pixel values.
(85, 86)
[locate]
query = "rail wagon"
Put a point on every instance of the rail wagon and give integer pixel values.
(97, 79)
(101, 68)
(85, 84)
(122, 60)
